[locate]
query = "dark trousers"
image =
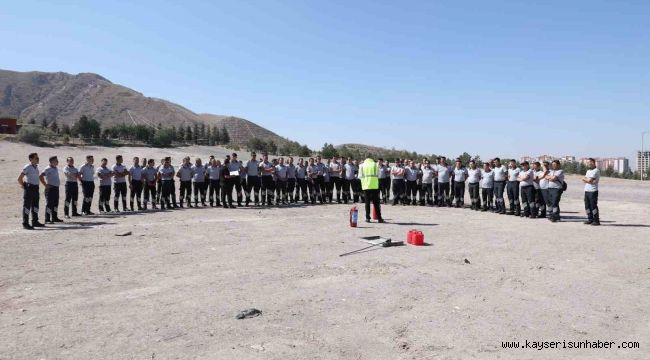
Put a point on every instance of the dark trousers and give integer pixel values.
(166, 191)
(384, 187)
(88, 189)
(474, 195)
(291, 187)
(499, 186)
(282, 191)
(302, 189)
(443, 194)
(149, 193)
(436, 191)
(51, 203)
(226, 192)
(540, 207)
(236, 184)
(528, 200)
(546, 198)
(513, 197)
(136, 193)
(158, 191)
(357, 194)
(31, 198)
(554, 198)
(215, 186)
(411, 191)
(372, 196)
(104, 198)
(337, 185)
(426, 193)
(319, 187)
(199, 190)
(346, 184)
(459, 193)
(120, 190)
(185, 192)
(399, 188)
(71, 197)
(591, 206)
(252, 189)
(488, 194)
(268, 188)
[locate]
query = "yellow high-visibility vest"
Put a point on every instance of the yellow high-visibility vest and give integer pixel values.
(369, 175)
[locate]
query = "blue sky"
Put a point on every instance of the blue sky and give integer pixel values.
(490, 77)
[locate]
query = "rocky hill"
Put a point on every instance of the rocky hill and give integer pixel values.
(65, 98)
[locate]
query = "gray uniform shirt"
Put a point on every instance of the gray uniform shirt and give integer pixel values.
(252, 168)
(214, 172)
(427, 174)
(31, 174)
(199, 173)
(291, 171)
(412, 173)
(531, 177)
(267, 165)
(384, 171)
(335, 169)
(149, 173)
(166, 173)
(444, 173)
(350, 170)
(500, 173)
(235, 165)
(460, 174)
(592, 174)
(281, 172)
(312, 171)
(186, 172)
(105, 176)
(487, 178)
(301, 172)
(51, 176)
(136, 173)
(513, 174)
(119, 168)
(70, 173)
(557, 184)
(543, 183)
(87, 172)
(473, 175)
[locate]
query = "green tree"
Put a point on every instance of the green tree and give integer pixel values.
(180, 134)
(464, 158)
(188, 133)
(65, 129)
(208, 136)
(163, 138)
(271, 147)
(197, 133)
(225, 136)
(32, 121)
(54, 127)
(329, 151)
(30, 135)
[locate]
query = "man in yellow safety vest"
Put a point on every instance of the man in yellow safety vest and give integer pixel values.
(369, 175)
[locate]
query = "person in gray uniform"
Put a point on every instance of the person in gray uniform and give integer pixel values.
(348, 178)
(555, 179)
(150, 176)
(537, 192)
(500, 176)
(135, 184)
(314, 185)
(357, 192)
(87, 176)
(543, 188)
(460, 176)
(473, 179)
(282, 178)
(444, 180)
(120, 173)
(436, 188)
(526, 180)
(411, 175)
(214, 174)
(301, 178)
(51, 182)
(72, 179)
(328, 191)
(319, 180)
(105, 176)
(268, 186)
(159, 181)
(428, 174)
(384, 180)
(513, 188)
(166, 176)
(185, 174)
(591, 180)
(28, 180)
(336, 171)
(399, 186)
(235, 166)
(252, 171)
(487, 186)
(198, 181)
(291, 180)
(227, 185)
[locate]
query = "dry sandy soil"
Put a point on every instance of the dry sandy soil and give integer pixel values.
(172, 289)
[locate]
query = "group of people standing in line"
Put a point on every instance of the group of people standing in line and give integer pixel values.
(533, 191)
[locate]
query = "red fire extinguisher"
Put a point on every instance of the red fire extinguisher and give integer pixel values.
(374, 213)
(354, 216)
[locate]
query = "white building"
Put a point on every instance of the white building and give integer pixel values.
(643, 162)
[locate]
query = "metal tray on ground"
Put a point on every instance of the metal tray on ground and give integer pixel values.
(376, 240)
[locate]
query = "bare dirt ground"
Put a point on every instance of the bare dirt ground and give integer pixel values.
(172, 289)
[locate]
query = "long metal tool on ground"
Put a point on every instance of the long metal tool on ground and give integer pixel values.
(375, 241)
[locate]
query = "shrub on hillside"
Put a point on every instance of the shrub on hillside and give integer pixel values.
(163, 138)
(30, 134)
